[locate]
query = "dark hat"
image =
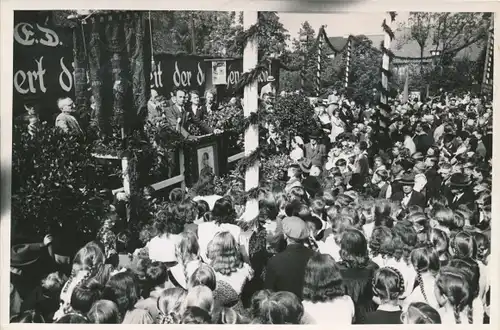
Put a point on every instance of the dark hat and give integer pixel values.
(305, 165)
(25, 254)
(459, 181)
(295, 228)
(316, 134)
(407, 179)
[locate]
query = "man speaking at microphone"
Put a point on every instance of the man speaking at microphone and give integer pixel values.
(179, 118)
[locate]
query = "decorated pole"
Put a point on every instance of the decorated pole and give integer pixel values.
(487, 84)
(348, 63)
(386, 62)
(318, 71)
(250, 105)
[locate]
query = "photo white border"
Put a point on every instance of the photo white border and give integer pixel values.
(319, 6)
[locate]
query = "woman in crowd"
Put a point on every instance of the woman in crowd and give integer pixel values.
(386, 233)
(323, 293)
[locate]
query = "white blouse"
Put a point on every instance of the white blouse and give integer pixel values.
(337, 311)
(208, 230)
(447, 316)
(428, 281)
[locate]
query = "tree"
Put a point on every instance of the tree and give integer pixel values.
(272, 34)
(419, 24)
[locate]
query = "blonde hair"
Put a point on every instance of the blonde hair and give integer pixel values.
(224, 252)
(186, 250)
(199, 296)
(169, 305)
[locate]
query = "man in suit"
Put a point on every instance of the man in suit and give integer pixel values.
(198, 113)
(408, 197)
(66, 120)
(460, 192)
(285, 271)
(346, 115)
(178, 118)
(361, 165)
(314, 151)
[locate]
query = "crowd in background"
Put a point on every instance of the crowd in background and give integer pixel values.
(380, 235)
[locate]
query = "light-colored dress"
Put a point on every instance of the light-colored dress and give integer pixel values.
(337, 128)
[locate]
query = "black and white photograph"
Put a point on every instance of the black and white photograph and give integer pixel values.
(251, 167)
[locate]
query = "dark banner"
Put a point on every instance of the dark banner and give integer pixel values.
(188, 72)
(43, 65)
(234, 70)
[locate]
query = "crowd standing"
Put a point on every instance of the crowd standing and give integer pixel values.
(358, 234)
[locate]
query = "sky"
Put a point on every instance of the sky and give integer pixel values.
(339, 24)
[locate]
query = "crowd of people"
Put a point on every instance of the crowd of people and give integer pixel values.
(382, 236)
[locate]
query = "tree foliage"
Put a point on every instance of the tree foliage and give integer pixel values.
(55, 180)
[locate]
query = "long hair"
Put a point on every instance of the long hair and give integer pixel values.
(204, 275)
(104, 312)
(195, 315)
(168, 221)
(404, 240)
(122, 289)
(169, 305)
(440, 241)
(354, 249)
(388, 284)
(380, 241)
(421, 313)
(224, 252)
(463, 245)
(483, 246)
(322, 280)
(186, 250)
(455, 287)
(424, 259)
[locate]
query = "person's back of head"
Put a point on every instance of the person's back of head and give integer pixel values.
(277, 308)
(73, 318)
(176, 195)
(104, 312)
(195, 315)
(85, 295)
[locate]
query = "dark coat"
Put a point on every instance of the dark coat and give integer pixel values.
(415, 199)
(199, 119)
(316, 156)
(467, 199)
(285, 271)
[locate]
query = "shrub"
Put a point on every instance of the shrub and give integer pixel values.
(55, 181)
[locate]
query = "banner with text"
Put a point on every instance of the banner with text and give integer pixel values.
(179, 71)
(43, 66)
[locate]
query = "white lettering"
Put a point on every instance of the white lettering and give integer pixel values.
(66, 77)
(40, 73)
(19, 85)
(186, 78)
(200, 77)
(52, 39)
(177, 75)
(233, 77)
(23, 33)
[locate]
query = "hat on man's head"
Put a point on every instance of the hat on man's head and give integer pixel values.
(295, 228)
(316, 134)
(25, 254)
(407, 179)
(270, 79)
(459, 181)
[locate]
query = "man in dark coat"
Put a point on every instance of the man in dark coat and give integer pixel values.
(285, 271)
(460, 192)
(314, 151)
(178, 117)
(409, 197)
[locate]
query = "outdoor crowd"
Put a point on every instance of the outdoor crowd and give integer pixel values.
(354, 236)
